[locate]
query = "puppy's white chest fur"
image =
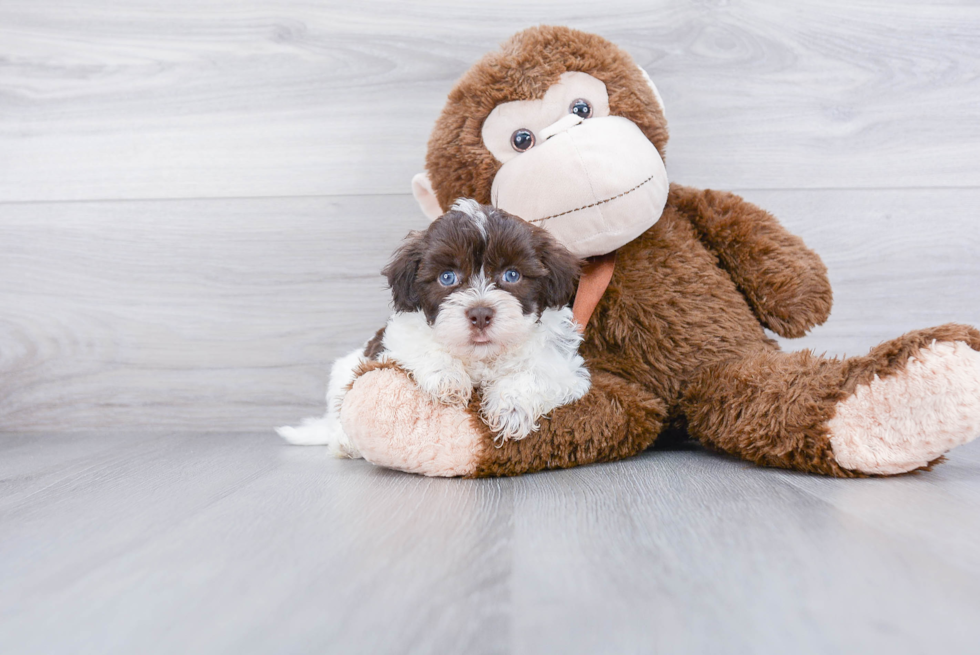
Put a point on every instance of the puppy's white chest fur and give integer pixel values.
(519, 383)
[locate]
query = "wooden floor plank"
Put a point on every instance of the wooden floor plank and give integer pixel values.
(249, 545)
(240, 543)
(176, 305)
(693, 552)
(110, 100)
(933, 511)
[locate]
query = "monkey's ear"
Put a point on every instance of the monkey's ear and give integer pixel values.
(563, 272)
(425, 196)
(401, 272)
(656, 93)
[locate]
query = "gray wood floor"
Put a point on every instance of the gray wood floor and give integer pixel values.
(206, 543)
(195, 200)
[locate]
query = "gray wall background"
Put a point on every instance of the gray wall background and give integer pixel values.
(196, 196)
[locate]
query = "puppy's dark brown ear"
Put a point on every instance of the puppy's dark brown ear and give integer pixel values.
(559, 287)
(401, 272)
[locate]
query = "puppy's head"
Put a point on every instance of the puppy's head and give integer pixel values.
(482, 277)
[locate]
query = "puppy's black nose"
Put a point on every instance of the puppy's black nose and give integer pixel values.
(480, 317)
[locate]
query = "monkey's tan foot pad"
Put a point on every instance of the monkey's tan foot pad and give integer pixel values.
(904, 421)
(395, 424)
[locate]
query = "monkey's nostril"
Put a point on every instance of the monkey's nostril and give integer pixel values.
(479, 317)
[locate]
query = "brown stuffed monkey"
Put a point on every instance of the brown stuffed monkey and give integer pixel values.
(563, 129)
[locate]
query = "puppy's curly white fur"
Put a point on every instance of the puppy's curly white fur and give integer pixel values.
(480, 301)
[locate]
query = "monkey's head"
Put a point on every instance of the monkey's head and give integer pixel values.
(559, 127)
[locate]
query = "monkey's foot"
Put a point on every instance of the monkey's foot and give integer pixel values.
(395, 424)
(912, 416)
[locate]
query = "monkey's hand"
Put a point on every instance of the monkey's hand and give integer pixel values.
(784, 282)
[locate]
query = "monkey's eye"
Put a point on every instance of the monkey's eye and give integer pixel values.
(511, 275)
(581, 108)
(447, 278)
(522, 139)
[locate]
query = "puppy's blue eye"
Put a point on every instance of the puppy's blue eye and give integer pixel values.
(511, 275)
(447, 278)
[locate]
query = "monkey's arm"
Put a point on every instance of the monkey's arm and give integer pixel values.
(616, 419)
(394, 424)
(784, 281)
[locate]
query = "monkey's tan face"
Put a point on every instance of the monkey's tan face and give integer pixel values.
(593, 180)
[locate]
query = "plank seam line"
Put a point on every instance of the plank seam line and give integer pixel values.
(735, 189)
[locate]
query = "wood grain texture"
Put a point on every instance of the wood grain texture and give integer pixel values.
(197, 543)
(225, 314)
(141, 99)
(167, 314)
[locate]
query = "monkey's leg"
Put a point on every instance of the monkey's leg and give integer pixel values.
(896, 409)
(394, 424)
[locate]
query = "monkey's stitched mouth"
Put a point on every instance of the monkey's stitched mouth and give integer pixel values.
(595, 204)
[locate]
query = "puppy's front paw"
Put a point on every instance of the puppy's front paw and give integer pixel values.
(508, 415)
(448, 386)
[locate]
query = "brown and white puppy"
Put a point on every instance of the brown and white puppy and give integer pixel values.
(480, 301)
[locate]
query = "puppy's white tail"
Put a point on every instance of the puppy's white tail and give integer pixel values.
(323, 431)
(312, 432)
(326, 430)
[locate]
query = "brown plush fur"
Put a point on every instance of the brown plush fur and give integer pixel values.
(678, 328)
(615, 420)
(785, 284)
(675, 323)
(677, 341)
